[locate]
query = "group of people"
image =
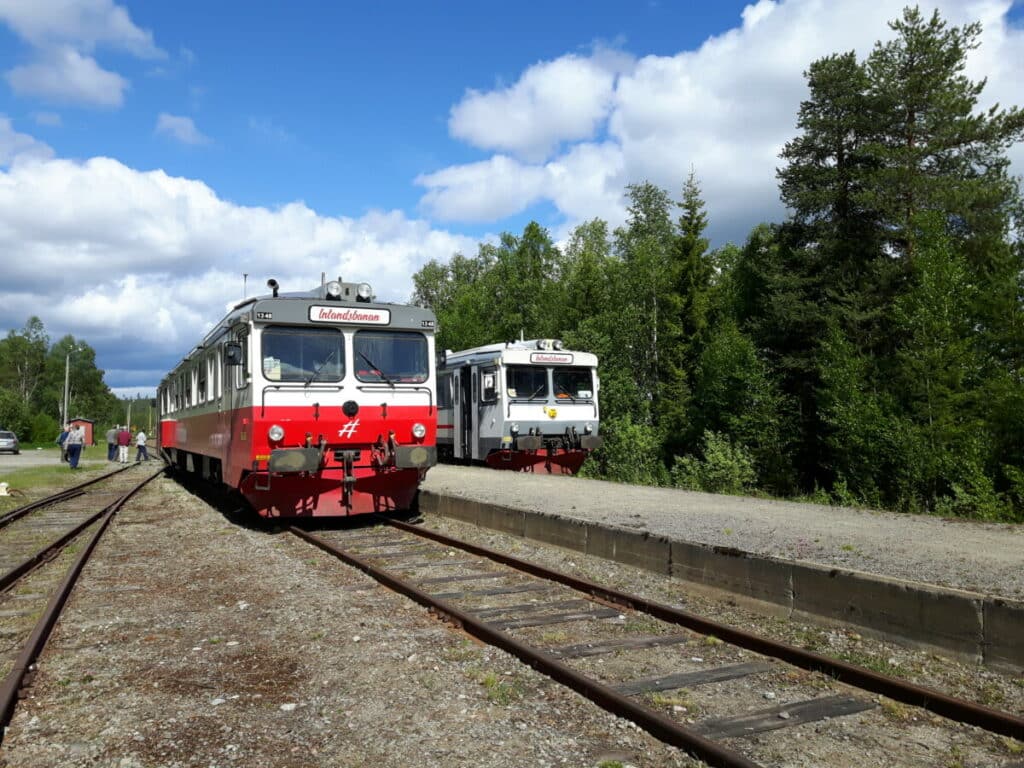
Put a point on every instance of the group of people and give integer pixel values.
(72, 442)
(118, 440)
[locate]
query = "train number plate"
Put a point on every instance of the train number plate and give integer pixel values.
(426, 323)
(264, 315)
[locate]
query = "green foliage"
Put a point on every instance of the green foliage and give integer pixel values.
(630, 454)
(43, 428)
(868, 351)
(14, 414)
(724, 468)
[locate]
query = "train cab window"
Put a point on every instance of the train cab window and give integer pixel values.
(526, 382)
(303, 354)
(489, 385)
(395, 357)
(444, 391)
(242, 371)
(573, 383)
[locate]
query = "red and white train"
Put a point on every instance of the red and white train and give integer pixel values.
(320, 403)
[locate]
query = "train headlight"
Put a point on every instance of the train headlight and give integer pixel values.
(419, 431)
(514, 430)
(364, 292)
(588, 429)
(276, 433)
(334, 289)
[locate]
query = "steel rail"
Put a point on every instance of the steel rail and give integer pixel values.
(68, 493)
(46, 552)
(963, 711)
(11, 684)
(661, 727)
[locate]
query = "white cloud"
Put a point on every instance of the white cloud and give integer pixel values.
(14, 145)
(81, 23)
(65, 75)
(554, 101)
(725, 109)
(182, 129)
(64, 34)
(482, 191)
(103, 251)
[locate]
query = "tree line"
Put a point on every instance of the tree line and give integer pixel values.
(867, 350)
(32, 378)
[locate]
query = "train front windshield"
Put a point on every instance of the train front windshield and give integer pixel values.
(391, 356)
(526, 382)
(303, 354)
(573, 383)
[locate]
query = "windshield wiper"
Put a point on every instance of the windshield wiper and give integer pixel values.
(375, 369)
(565, 392)
(319, 368)
(538, 390)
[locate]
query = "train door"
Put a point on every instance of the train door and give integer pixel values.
(488, 412)
(464, 419)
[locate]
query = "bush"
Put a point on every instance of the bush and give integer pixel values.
(725, 468)
(43, 429)
(974, 496)
(14, 414)
(629, 454)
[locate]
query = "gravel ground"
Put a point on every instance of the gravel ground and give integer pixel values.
(891, 736)
(193, 641)
(981, 557)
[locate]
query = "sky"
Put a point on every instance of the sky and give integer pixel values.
(152, 154)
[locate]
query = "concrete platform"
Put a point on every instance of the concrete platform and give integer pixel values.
(952, 586)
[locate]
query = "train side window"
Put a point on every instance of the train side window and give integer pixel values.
(218, 365)
(489, 385)
(201, 382)
(444, 391)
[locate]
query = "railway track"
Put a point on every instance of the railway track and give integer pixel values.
(43, 548)
(699, 685)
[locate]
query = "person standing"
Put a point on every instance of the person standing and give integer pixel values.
(124, 439)
(61, 440)
(140, 447)
(112, 443)
(74, 443)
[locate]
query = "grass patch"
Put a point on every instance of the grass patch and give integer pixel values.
(1012, 746)
(896, 711)
(669, 701)
(611, 764)
(465, 652)
(499, 691)
(874, 663)
(643, 624)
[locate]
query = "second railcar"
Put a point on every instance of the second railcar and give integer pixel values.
(319, 403)
(523, 405)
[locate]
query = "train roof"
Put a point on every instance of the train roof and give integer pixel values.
(525, 352)
(318, 307)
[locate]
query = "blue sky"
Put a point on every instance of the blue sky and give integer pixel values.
(152, 152)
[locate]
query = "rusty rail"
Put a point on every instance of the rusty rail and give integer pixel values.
(659, 726)
(963, 711)
(11, 684)
(68, 493)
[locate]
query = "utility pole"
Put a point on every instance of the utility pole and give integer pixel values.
(245, 279)
(67, 380)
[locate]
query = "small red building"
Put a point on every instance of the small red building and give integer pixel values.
(87, 425)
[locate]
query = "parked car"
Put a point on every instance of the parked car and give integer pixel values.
(9, 442)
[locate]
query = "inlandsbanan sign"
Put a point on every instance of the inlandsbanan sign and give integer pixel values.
(551, 357)
(321, 314)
